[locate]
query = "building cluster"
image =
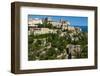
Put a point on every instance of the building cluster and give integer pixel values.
(33, 25)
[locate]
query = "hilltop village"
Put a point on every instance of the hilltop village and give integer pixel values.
(50, 39)
(33, 25)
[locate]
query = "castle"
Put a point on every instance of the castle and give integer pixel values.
(64, 25)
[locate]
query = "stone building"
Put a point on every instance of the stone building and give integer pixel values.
(62, 24)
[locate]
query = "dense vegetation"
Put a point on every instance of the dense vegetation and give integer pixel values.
(53, 46)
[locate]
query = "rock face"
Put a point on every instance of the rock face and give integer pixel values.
(73, 51)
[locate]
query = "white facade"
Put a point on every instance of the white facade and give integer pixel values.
(44, 31)
(41, 31)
